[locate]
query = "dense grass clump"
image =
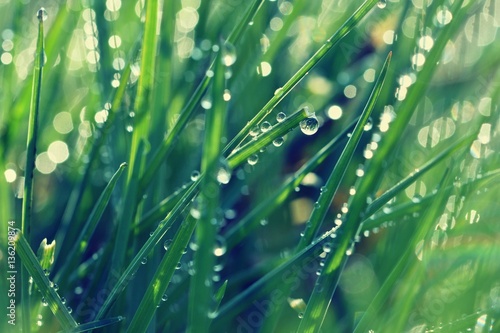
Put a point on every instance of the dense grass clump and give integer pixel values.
(250, 166)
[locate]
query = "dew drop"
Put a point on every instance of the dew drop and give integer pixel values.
(44, 302)
(264, 222)
(220, 246)
(228, 54)
(254, 131)
(253, 159)
(309, 126)
(70, 310)
(41, 14)
(327, 247)
(46, 272)
(224, 173)
(278, 91)
(301, 315)
(144, 260)
(167, 244)
(265, 126)
(63, 300)
(278, 142)
(382, 4)
(280, 117)
(164, 298)
(55, 286)
(195, 175)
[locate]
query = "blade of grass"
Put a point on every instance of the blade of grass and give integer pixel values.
(140, 132)
(36, 92)
(94, 324)
(330, 189)
(88, 229)
(252, 220)
(328, 280)
(162, 277)
(408, 180)
(32, 265)
(302, 72)
(187, 112)
(162, 228)
(201, 292)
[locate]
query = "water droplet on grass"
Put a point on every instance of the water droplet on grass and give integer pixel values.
(254, 131)
(228, 54)
(164, 298)
(195, 175)
(224, 173)
(253, 159)
(327, 247)
(220, 246)
(42, 14)
(280, 117)
(167, 244)
(265, 126)
(278, 142)
(44, 302)
(144, 260)
(382, 4)
(309, 126)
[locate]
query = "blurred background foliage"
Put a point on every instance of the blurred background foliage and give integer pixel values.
(89, 43)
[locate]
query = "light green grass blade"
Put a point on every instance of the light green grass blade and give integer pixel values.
(32, 265)
(94, 325)
(187, 112)
(161, 279)
(241, 154)
(302, 72)
(89, 227)
(140, 133)
(201, 288)
(330, 189)
(36, 92)
(408, 180)
(252, 220)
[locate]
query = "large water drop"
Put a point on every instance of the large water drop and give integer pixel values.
(309, 126)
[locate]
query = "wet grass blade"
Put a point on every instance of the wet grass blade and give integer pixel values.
(241, 154)
(32, 265)
(88, 229)
(252, 220)
(408, 180)
(162, 277)
(188, 111)
(330, 189)
(208, 203)
(36, 92)
(140, 131)
(302, 72)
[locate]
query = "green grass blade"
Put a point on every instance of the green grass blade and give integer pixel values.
(241, 154)
(200, 300)
(32, 265)
(252, 220)
(168, 143)
(330, 189)
(36, 92)
(408, 180)
(140, 132)
(302, 72)
(162, 277)
(89, 227)
(94, 325)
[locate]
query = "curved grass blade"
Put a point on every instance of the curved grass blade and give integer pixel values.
(162, 277)
(94, 325)
(302, 72)
(200, 293)
(330, 189)
(186, 113)
(36, 92)
(32, 265)
(88, 229)
(252, 220)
